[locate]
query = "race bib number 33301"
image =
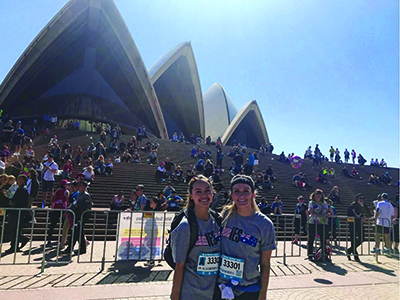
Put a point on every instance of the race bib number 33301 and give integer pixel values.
(231, 268)
(208, 264)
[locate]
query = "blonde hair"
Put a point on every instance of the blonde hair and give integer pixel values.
(230, 208)
(197, 178)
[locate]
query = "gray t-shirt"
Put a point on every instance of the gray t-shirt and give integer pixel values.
(194, 285)
(244, 239)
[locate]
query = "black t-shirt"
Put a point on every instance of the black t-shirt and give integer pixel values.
(6, 133)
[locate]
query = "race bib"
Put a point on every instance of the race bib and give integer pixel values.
(208, 264)
(231, 268)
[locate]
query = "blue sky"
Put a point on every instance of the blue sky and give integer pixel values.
(322, 72)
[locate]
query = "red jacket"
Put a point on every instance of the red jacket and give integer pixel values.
(67, 168)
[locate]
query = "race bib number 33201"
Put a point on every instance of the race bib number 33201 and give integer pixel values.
(231, 268)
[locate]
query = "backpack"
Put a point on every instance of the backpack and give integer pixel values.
(190, 215)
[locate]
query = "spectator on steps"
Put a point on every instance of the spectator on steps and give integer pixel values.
(175, 137)
(88, 174)
(91, 150)
(353, 156)
(383, 163)
(109, 167)
(142, 200)
(220, 156)
(208, 168)
(99, 166)
(199, 167)
(208, 140)
(117, 202)
(193, 152)
(173, 201)
(355, 173)
(297, 181)
(178, 174)
(373, 179)
(331, 153)
(308, 153)
(372, 163)
(68, 168)
(345, 172)
(113, 148)
(264, 207)
(161, 172)
(78, 156)
(334, 195)
(361, 160)
(152, 157)
(331, 173)
(168, 189)
(346, 156)
(169, 167)
(277, 206)
(385, 178)
(126, 156)
(337, 156)
(155, 204)
(190, 174)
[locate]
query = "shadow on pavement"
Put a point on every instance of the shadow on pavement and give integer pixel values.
(124, 272)
(377, 268)
(332, 268)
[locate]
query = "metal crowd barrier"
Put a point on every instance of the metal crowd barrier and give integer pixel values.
(141, 236)
(15, 220)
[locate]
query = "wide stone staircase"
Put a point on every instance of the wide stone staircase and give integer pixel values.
(127, 175)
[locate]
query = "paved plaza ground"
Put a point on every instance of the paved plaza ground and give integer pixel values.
(294, 278)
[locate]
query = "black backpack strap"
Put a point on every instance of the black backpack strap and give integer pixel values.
(194, 231)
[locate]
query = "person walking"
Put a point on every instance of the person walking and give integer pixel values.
(357, 212)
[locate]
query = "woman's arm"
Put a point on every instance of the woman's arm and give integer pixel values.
(265, 270)
(177, 281)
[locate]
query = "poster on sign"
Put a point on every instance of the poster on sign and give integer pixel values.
(145, 239)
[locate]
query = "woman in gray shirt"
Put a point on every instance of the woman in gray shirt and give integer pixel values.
(196, 271)
(248, 238)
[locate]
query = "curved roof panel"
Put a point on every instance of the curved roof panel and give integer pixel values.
(87, 44)
(247, 127)
(219, 111)
(176, 82)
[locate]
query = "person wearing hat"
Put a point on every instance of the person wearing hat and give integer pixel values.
(384, 215)
(358, 210)
(59, 201)
(248, 238)
(50, 168)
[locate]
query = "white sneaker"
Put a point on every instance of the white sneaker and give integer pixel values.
(33, 221)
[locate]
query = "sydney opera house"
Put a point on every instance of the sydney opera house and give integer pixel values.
(85, 65)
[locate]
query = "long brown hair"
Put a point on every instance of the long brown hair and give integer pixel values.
(229, 209)
(189, 200)
(317, 191)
